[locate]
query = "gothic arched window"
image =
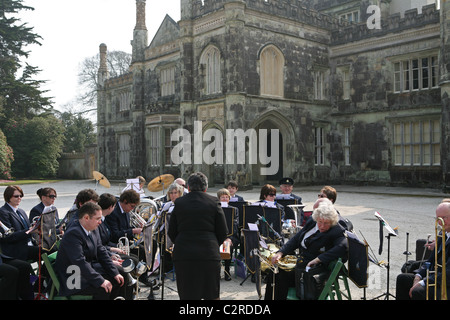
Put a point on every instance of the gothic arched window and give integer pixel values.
(211, 62)
(272, 71)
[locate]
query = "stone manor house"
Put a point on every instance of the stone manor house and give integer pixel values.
(350, 91)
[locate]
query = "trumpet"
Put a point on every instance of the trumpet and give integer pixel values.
(439, 225)
(6, 231)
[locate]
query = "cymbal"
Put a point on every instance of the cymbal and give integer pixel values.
(100, 178)
(161, 182)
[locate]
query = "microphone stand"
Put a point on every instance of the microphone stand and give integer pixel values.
(277, 235)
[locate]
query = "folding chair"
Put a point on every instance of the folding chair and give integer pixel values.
(48, 262)
(332, 287)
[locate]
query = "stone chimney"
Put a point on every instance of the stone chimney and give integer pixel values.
(140, 33)
(103, 72)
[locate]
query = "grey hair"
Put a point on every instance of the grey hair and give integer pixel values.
(325, 210)
(197, 182)
(175, 186)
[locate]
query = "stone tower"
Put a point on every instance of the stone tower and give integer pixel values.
(444, 70)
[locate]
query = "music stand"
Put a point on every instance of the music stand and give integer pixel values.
(45, 225)
(287, 203)
(391, 232)
(252, 256)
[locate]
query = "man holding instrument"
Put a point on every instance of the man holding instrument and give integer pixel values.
(414, 286)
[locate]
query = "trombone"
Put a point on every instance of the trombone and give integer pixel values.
(439, 225)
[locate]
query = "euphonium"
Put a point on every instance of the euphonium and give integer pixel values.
(440, 224)
(136, 220)
(6, 231)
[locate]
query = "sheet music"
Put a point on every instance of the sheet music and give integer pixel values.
(385, 224)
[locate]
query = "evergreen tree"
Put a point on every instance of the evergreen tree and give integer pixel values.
(22, 96)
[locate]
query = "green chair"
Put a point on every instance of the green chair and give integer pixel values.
(332, 288)
(48, 262)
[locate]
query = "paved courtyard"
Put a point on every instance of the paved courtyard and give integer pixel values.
(411, 210)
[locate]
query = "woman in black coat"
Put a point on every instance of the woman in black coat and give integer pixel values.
(319, 242)
(197, 227)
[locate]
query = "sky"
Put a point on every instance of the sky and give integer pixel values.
(74, 30)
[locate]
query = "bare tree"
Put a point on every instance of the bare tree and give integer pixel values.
(118, 63)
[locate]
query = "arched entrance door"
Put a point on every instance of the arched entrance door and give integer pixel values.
(280, 145)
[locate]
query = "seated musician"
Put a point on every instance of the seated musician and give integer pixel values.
(47, 197)
(119, 219)
(330, 193)
(108, 202)
(119, 224)
(233, 240)
(15, 279)
(175, 191)
(319, 242)
(84, 196)
(410, 286)
(267, 198)
(94, 272)
(286, 186)
(20, 243)
(233, 187)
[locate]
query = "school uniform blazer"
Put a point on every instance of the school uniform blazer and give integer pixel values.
(37, 211)
(90, 256)
(327, 246)
(119, 224)
(105, 235)
(15, 245)
(197, 227)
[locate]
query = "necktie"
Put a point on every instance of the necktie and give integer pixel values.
(24, 223)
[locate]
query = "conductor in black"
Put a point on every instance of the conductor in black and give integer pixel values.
(197, 227)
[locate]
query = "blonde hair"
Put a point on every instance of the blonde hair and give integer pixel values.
(223, 192)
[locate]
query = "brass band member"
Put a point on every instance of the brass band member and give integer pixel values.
(233, 240)
(47, 196)
(319, 242)
(411, 286)
(197, 227)
(19, 244)
(82, 247)
(286, 187)
(119, 220)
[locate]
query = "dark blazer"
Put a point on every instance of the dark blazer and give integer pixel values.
(239, 198)
(105, 235)
(92, 258)
(197, 227)
(16, 244)
(119, 224)
(37, 211)
(333, 241)
(433, 279)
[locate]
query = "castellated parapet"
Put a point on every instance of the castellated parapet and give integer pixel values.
(392, 24)
(290, 9)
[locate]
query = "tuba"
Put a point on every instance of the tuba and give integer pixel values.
(439, 225)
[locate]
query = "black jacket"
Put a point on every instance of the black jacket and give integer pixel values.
(197, 227)
(327, 246)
